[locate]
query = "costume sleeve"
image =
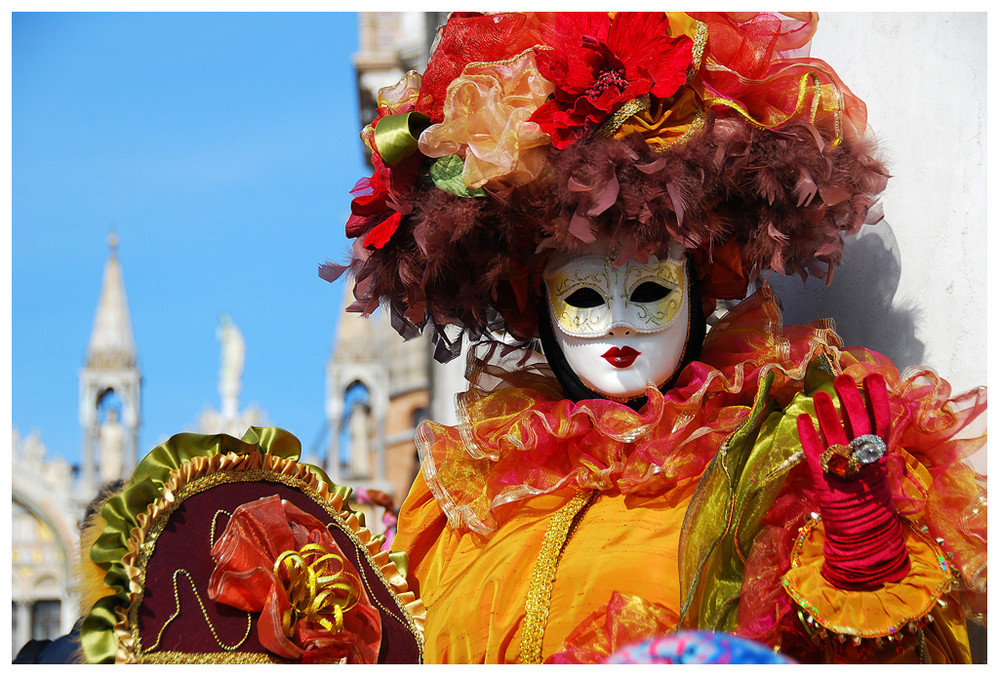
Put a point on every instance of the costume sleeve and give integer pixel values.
(419, 530)
(757, 494)
(918, 619)
(940, 501)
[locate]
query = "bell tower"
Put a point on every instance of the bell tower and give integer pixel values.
(109, 385)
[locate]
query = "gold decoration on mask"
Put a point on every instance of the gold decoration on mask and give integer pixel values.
(610, 282)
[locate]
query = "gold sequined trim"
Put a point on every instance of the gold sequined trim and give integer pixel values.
(698, 48)
(536, 606)
(628, 109)
(237, 657)
(696, 127)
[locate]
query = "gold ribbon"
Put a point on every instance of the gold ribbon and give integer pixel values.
(396, 135)
(319, 587)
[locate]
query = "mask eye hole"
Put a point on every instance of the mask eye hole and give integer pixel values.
(585, 297)
(649, 292)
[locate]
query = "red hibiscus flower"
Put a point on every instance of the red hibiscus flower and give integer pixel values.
(281, 561)
(598, 64)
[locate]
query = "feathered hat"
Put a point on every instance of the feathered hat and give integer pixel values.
(530, 133)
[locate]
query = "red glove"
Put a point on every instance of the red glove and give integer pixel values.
(863, 548)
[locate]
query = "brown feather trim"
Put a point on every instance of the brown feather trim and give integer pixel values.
(780, 198)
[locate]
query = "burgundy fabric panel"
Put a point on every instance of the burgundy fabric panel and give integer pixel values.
(185, 544)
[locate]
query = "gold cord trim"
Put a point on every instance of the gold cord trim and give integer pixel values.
(536, 606)
(211, 536)
(204, 613)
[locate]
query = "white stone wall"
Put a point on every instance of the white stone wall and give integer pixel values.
(923, 77)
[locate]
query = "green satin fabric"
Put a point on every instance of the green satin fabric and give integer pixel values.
(732, 498)
(145, 486)
(396, 135)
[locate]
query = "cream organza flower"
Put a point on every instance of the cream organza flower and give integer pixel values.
(485, 123)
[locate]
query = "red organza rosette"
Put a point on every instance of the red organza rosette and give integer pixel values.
(472, 37)
(279, 560)
(518, 438)
(754, 65)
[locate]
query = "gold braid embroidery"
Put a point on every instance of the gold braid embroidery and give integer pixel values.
(536, 606)
(204, 613)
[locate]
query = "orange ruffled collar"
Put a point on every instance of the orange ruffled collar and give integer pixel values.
(517, 437)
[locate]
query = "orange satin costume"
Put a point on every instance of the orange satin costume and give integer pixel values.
(543, 530)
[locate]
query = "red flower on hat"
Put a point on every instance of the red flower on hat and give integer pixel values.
(377, 208)
(598, 63)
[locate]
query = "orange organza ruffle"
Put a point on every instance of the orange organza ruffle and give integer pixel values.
(626, 620)
(518, 438)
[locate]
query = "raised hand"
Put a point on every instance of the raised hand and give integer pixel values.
(864, 547)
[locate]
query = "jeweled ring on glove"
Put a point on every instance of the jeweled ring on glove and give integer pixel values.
(868, 448)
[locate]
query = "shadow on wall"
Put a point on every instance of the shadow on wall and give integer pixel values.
(860, 298)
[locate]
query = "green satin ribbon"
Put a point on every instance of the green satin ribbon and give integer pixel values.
(396, 135)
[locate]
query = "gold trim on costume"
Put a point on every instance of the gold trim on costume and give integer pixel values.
(536, 606)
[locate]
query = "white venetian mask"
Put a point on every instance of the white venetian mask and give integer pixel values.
(620, 327)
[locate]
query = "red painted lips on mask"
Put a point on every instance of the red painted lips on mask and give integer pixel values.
(621, 358)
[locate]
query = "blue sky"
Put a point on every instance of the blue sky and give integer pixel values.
(221, 149)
